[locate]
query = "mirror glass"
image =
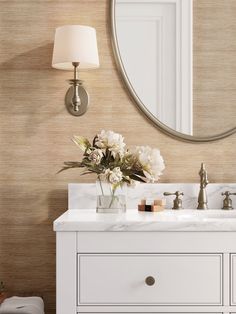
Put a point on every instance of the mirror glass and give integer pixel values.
(178, 60)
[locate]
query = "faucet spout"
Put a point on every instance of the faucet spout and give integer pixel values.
(202, 196)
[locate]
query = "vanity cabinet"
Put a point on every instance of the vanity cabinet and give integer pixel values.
(104, 268)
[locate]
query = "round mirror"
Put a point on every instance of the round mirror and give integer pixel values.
(177, 59)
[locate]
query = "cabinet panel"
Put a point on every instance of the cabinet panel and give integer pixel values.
(233, 279)
(180, 279)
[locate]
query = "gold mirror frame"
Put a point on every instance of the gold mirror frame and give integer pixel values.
(161, 126)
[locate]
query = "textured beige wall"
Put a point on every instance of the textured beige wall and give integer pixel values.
(36, 131)
(214, 71)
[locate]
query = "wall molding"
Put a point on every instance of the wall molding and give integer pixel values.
(183, 112)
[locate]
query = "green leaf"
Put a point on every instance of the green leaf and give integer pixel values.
(82, 142)
(71, 165)
(94, 141)
(137, 178)
(86, 172)
(63, 169)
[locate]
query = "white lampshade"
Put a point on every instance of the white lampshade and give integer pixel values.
(75, 43)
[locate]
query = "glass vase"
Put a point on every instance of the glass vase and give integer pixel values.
(110, 199)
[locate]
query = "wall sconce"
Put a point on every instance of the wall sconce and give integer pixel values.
(75, 47)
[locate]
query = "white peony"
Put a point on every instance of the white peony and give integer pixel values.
(151, 161)
(96, 156)
(114, 176)
(112, 141)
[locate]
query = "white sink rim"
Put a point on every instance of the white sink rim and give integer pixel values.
(193, 214)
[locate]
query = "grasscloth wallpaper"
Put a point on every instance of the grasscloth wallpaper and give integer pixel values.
(36, 131)
(214, 71)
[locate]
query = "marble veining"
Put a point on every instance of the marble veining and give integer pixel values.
(83, 196)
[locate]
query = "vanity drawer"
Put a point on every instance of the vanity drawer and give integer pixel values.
(191, 279)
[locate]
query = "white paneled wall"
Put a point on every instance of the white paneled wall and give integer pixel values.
(155, 43)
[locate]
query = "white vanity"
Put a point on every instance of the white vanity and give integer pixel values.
(168, 262)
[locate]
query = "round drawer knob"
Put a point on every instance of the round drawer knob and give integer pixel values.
(150, 281)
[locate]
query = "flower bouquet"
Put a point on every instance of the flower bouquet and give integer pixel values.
(116, 166)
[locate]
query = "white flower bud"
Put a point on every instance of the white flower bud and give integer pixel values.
(114, 176)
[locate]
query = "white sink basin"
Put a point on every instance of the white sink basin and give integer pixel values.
(196, 215)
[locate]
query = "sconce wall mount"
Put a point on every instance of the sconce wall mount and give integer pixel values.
(75, 47)
(77, 98)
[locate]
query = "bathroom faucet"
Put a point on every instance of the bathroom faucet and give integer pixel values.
(202, 196)
(227, 202)
(177, 204)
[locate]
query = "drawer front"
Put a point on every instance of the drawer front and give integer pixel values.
(233, 279)
(180, 279)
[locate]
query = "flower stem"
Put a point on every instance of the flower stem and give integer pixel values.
(101, 185)
(113, 190)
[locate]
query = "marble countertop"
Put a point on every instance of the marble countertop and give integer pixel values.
(132, 220)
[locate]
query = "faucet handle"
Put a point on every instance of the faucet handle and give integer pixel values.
(177, 203)
(228, 193)
(227, 202)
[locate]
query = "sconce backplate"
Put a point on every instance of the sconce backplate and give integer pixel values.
(84, 97)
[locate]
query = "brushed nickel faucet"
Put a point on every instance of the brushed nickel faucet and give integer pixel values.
(202, 196)
(227, 202)
(177, 203)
